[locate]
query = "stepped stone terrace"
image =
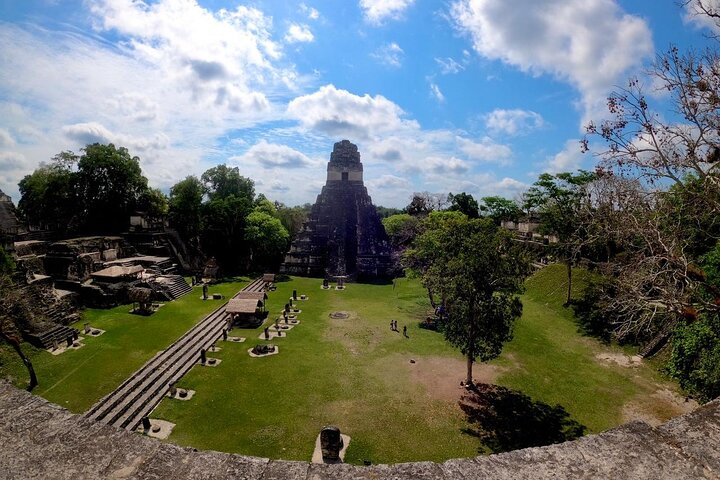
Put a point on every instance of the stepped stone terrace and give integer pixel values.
(343, 234)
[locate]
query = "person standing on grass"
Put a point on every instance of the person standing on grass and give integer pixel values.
(404, 330)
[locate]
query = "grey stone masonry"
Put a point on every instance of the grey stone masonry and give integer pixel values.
(343, 234)
(39, 440)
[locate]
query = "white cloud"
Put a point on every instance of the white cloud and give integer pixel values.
(165, 79)
(93, 132)
(390, 54)
(449, 65)
(487, 150)
(390, 182)
(435, 91)
(311, 12)
(12, 161)
(299, 34)
(270, 155)
(591, 44)
(6, 140)
(513, 122)
(221, 57)
(336, 112)
(445, 165)
(376, 11)
(693, 14)
(568, 159)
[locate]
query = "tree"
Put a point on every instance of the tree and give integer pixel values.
(464, 203)
(224, 182)
(401, 228)
(262, 204)
(422, 203)
(154, 203)
(384, 212)
(477, 270)
(560, 200)
(47, 196)
(293, 218)
(13, 306)
(267, 238)
(110, 185)
(184, 206)
(500, 209)
(231, 198)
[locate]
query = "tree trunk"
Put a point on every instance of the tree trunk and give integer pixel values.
(28, 364)
(569, 290)
(431, 297)
(471, 344)
(469, 378)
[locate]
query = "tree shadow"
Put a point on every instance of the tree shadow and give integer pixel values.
(505, 419)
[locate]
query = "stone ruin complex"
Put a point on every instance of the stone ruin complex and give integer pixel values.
(343, 234)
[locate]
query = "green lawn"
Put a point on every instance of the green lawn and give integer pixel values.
(354, 373)
(77, 379)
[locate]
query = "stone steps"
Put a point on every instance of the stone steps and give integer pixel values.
(47, 339)
(139, 394)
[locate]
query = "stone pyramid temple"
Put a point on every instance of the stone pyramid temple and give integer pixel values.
(343, 234)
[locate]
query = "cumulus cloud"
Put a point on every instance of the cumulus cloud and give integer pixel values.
(486, 150)
(93, 132)
(589, 43)
(270, 155)
(390, 54)
(567, 160)
(299, 34)
(513, 122)
(444, 165)
(377, 11)
(337, 112)
(211, 52)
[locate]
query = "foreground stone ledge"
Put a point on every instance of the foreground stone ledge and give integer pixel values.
(41, 440)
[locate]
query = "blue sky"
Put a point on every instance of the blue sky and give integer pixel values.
(478, 96)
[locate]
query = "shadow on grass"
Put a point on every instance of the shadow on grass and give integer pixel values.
(505, 420)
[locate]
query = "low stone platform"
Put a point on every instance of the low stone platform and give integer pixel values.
(42, 440)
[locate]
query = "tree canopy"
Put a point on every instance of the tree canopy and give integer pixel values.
(477, 271)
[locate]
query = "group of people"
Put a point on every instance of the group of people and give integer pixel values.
(394, 327)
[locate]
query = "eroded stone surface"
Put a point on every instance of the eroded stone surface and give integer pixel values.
(41, 440)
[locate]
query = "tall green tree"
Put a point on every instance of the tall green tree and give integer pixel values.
(223, 182)
(464, 203)
(500, 209)
(477, 271)
(48, 199)
(401, 228)
(185, 204)
(561, 200)
(109, 187)
(267, 238)
(231, 198)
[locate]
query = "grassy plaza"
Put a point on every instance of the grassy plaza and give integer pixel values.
(396, 397)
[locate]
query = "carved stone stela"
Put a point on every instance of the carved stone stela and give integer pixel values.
(343, 234)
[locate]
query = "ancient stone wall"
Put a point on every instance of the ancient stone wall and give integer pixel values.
(42, 440)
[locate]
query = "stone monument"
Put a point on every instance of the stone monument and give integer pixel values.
(343, 234)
